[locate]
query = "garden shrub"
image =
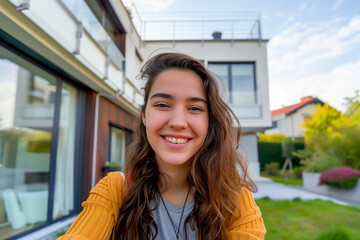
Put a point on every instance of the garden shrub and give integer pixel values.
(272, 169)
(336, 233)
(268, 153)
(265, 198)
(297, 171)
(272, 138)
(317, 161)
(340, 177)
(332, 137)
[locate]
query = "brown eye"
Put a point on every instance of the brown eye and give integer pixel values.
(161, 105)
(196, 109)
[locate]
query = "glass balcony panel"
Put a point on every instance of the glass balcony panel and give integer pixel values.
(244, 98)
(91, 24)
(53, 19)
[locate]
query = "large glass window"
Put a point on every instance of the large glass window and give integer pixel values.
(237, 80)
(28, 106)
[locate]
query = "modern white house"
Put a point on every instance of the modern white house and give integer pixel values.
(69, 97)
(289, 120)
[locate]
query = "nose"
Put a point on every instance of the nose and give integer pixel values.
(178, 119)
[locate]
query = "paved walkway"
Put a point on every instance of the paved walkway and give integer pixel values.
(279, 191)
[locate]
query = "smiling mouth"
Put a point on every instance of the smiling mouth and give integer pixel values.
(177, 140)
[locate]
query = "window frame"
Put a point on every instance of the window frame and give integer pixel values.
(230, 76)
(127, 134)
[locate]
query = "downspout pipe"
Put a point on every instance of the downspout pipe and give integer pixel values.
(93, 174)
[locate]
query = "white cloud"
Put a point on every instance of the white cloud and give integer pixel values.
(290, 18)
(330, 87)
(297, 56)
(302, 6)
(336, 5)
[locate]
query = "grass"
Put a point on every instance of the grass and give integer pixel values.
(288, 181)
(301, 220)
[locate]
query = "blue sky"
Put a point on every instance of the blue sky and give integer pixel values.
(314, 46)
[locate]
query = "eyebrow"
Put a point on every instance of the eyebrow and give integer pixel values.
(168, 96)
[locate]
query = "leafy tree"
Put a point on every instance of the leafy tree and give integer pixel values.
(333, 138)
(353, 105)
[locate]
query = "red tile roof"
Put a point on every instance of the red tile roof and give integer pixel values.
(294, 107)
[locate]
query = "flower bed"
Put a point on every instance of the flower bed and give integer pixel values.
(311, 183)
(340, 177)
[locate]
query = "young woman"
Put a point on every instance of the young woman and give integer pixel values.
(182, 178)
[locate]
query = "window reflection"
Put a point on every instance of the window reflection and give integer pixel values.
(238, 80)
(27, 99)
(64, 177)
(117, 147)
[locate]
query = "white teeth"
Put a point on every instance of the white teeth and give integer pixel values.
(176, 140)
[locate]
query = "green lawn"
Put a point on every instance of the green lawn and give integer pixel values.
(302, 220)
(289, 181)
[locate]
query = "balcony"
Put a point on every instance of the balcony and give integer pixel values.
(197, 26)
(74, 26)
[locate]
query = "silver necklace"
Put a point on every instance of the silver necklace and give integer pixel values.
(182, 213)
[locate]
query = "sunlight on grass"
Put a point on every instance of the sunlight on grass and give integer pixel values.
(301, 220)
(288, 181)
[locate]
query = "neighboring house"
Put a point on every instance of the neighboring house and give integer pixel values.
(69, 99)
(289, 120)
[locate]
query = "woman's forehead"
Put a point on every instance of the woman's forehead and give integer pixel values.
(175, 82)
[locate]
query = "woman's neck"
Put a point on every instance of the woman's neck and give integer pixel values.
(176, 186)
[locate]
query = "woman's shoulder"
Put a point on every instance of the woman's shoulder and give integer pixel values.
(112, 187)
(247, 208)
(247, 223)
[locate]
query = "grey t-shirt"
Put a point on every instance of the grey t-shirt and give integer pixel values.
(163, 223)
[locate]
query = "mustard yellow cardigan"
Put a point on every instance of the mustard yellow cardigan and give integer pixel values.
(101, 211)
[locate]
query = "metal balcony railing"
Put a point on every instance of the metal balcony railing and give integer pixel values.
(197, 25)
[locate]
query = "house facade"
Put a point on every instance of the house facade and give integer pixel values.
(289, 120)
(69, 99)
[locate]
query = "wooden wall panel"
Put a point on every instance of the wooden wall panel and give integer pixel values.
(109, 113)
(87, 145)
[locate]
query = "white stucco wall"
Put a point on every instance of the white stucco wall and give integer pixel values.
(249, 150)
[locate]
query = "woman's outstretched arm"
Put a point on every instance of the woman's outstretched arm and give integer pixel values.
(99, 216)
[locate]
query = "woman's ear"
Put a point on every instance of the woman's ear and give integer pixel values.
(143, 118)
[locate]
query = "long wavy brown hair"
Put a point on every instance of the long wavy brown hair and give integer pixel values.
(213, 171)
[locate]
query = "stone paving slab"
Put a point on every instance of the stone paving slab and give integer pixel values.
(279, 191)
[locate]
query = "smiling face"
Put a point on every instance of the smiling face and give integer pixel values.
(176, 116)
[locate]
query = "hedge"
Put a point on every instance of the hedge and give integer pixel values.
(272, 152)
